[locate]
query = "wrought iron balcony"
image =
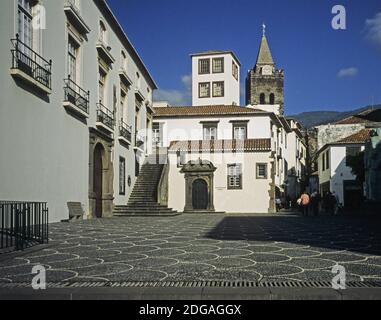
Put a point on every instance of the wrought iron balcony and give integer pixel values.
(74, 14)
(30, 66)
(76, 98)
(125, 132)
(105, 118)
(139, 140)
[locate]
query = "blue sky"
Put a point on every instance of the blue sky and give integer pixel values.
(326, 69)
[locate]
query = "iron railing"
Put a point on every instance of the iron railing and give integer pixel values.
(23, 224)
(76, 95)
(125, 131)
(105, 116)
(31, 63)
(139, 140)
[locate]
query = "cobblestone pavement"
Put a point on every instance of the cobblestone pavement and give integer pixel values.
(204, 247)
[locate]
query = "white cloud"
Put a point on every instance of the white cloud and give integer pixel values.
(373, 30)
(177, 97)
(348, 72)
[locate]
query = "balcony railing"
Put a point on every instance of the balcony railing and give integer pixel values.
(23, 224)
(105, 116)
(76, 95)
(139, 140)
(74, 13)
(125, 131)
(31, 63)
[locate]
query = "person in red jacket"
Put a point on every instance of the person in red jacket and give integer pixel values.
(305, 202)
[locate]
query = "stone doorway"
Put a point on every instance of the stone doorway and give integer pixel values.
(101, 191)
(98, 180)
(200, 194)
(199, 188)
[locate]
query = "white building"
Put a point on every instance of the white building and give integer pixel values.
(74, 94)
(215, 78)
(248, 157)
(335, 175)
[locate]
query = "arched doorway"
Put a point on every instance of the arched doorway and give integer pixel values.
(200, 195)
(98, 180)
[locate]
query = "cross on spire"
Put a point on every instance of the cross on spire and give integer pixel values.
(263, 29)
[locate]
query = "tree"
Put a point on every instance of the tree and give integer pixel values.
(357, 164)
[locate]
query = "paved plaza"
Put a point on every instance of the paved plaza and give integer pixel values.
(260, 248)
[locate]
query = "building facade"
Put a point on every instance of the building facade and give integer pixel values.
(335, 172)
(373, 166)
(215, 78)
(75, 105)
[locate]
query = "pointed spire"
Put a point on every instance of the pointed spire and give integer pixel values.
(264, 54)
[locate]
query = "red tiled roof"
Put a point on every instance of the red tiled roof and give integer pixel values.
(367, 116)
(359, 137)
(204, 110)
(249, 145)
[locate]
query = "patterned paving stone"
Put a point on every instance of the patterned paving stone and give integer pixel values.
(312, 263)
(197, 257)
(300, 253)
(268, 257)
(275, 269)
(205, 247)
(263, 248)
(153, 263)
(231, 252)
(52, 276)
(227, 263)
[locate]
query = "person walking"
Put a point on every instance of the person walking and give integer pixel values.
(315, 203)
(305, 202)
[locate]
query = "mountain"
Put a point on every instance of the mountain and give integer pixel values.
(314, 118)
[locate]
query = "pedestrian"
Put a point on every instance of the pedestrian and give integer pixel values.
(305, 202)
(278, 204)
(331, 203)
(315, 203)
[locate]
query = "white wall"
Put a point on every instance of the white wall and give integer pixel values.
(191, 128)
(232, 85)
(253, 198)
(45, 150)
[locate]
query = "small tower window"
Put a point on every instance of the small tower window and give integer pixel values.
(262, 99)
(272, 98)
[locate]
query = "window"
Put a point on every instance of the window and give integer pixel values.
(102, 32)
(210, 132)
(204, 90)
(239, 131)
(262, 99)
(234, 176)
(351, 152)
(218, 65)
(72, 59)
(204, 66)
(327, 162)
(122, 176)
(272, 98)
(323, 162)
(25, 17)
(138, 80)
(156, 136)
(124, 60)
(123, 109)
(235, 70)
(261, 170)
(218, 89)
(102, 86)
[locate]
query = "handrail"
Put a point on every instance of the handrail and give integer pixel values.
(76, 95)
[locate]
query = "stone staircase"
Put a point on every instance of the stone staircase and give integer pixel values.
(143, 199)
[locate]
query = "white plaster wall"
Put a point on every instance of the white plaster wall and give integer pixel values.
(232, 86)
(45, 150)
(191, 128)
(253, 198)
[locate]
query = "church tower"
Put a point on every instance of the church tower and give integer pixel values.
(265, 83)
